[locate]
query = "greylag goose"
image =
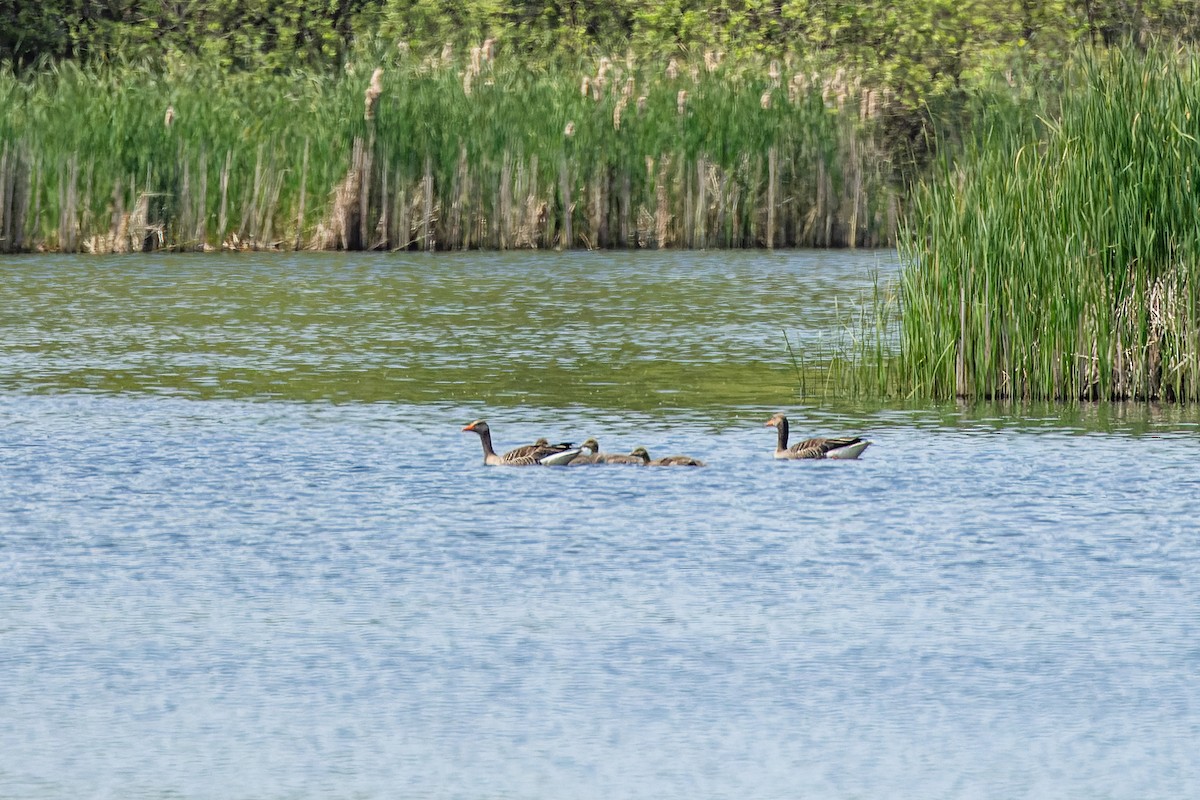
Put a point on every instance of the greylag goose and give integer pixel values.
(539, 452)
(596, 457)
(667, 461)
(621, 458)
(544, 442)
(819, 447)
(592, 456)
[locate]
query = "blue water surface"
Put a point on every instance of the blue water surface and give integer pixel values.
(233, 599)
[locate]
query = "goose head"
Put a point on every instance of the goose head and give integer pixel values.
(478, 426)
(641, 453)
(591, 445)
(774, 421)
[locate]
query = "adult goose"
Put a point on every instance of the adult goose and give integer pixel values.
(540, 452)
(819, 447)
(667, 461)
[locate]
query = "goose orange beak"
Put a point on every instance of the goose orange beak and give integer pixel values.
(470, 427)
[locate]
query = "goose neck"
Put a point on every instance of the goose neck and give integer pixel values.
(485, 437)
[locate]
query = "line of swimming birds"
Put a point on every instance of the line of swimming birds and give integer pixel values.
(565, 454)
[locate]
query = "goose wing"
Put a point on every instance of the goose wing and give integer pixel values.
(534, 453)
(821, 446)
(547, 455)
(619, 458)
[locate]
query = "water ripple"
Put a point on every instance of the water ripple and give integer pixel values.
(248, 599)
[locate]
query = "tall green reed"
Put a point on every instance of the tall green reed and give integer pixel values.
(1058, 257)
(469, 152)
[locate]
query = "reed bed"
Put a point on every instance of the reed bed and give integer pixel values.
(857, 357)
(441, 153)
(1058, 258)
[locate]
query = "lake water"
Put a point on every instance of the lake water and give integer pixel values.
(247, 552)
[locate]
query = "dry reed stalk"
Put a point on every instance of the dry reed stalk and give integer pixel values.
(222, 215)
(814, 210)
(62, 203)
(720, 221)
(120, 221)
(893, 215)
(68, 225)
(568, 239)
(200, 232)
(18, 207)
(734, 224)
(14, 198)
(85, 209)
(856, 173)
(504, 203)
(251, 204)
(185, 202)
(452, 237)
(343, 230)
(596, 206)
(772, 189)
(37, 200)
(662, 212)
(460, 191)
(827, 195)
(268, 216)
(138, 230)
(625, 203)
(526, 233)
(427, 242)
(604, 180)
(403, 237)
(684, 180)
(5, 201)
(363, 161)
(303, 197)
(519, 234)
(383, 238)
(753, 209)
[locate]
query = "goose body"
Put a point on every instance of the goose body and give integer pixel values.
(594, 456)
(666, 461)
(540, 452)
(843, 447)
(622, 458)
(590, 454)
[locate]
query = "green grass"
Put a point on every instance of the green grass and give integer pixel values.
(1058, 257)
(454, 158)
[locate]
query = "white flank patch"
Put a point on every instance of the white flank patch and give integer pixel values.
(559, 459)
(851, 451)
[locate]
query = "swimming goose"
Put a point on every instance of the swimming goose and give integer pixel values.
(819, 447)
(667, 461)
(596, 457)
(539, 452)
(621, 458)
(544, 442)
(592, 456)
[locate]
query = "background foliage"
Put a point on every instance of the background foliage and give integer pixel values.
(913, 45)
